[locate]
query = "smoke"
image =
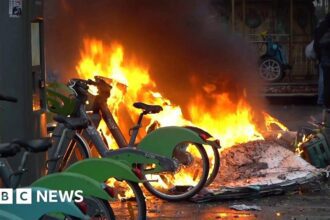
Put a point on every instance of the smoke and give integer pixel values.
(185, 45)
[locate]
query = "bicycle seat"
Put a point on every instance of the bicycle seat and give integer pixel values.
(72, 123)
(8, 149)
(150, 109)
(35, 146)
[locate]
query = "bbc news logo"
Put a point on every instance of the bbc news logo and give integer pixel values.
(6, 196)
(24, 196)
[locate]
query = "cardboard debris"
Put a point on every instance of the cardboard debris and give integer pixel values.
(244, 207)
(259, 168)
(260, 163)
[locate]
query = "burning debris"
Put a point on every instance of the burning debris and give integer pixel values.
(258, 168)
(249, 155)
(244, 207)
(231, 120)
(260, 163)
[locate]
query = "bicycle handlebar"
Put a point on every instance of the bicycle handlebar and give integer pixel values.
(81, 86)
(8, 98)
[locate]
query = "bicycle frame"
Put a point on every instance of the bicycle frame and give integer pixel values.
(93, 168)
(161, 157)
(10, 178)
(113, 126)
(167, 138)
(129, 156)
(62, 148)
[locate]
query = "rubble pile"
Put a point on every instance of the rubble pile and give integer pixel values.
(260, 163)
(259, 168)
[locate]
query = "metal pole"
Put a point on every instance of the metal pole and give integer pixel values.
(20, 78)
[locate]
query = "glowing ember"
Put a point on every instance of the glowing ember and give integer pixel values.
(299, 146)
(269, 121)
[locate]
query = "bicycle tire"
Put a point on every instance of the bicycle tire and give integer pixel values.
(216, 167)
(190, 193)
(99, 205)
(102, 205)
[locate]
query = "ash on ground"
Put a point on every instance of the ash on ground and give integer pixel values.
(261, 163)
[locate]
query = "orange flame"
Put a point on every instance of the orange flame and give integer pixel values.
(231, 122)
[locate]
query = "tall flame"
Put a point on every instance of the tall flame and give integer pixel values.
(231, 122)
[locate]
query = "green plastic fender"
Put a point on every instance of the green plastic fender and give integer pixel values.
(101, 169)
(8, 216)
(37, 209)
(162, 141)
(73, 181)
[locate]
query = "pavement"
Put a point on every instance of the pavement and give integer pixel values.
(292, 206)
(294, 112)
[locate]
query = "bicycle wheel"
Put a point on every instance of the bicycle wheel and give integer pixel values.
(271, 69)
(189, 178)
(130, 202)
(214, 160)
(99, 209)
(96, 209)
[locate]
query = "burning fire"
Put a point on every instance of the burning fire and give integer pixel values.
(231, 122)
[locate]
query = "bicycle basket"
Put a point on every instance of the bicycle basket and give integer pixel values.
(60, 99)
